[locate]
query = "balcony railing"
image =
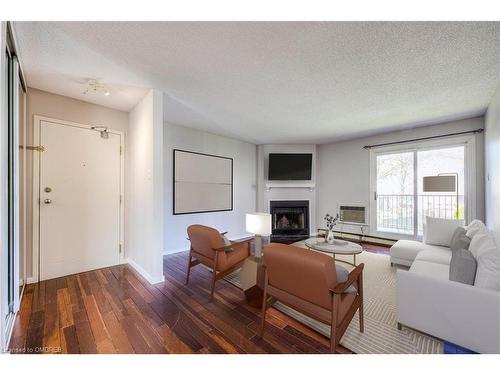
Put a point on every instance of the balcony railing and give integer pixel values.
(395, 213)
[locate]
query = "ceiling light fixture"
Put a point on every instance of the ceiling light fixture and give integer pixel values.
(95, 87)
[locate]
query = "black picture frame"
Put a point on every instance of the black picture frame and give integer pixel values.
(175, 150)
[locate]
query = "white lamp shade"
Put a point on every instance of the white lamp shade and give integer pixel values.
(438, 184)
(258, 223)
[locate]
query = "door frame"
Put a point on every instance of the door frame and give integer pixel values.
(470, 183)
(37, 120)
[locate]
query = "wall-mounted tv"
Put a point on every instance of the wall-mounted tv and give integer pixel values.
(290, 166)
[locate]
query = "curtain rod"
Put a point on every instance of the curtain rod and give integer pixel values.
(424, 138)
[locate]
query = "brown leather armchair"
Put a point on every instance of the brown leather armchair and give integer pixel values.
(306, 281)
(207, 247)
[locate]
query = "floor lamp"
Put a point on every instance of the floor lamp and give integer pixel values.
(442, 183)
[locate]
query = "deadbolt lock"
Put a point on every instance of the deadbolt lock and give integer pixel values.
(47, 189)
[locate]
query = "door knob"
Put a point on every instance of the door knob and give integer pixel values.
(47, 201)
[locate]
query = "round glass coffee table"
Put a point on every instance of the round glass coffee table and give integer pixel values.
(339, 247)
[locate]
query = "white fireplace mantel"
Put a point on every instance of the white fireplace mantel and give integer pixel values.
(290, 185)
(269, 190)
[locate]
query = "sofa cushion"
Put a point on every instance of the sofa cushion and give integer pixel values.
(440, 231)
(463, 267)
(459, 240)
(482, 242)
(227, 242)
(408, 249)
(342, 276)
(435, 270)
(486, 250)
(488, 270)
(475, 227)
(435, 254)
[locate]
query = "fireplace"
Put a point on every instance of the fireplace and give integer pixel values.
(290, 220)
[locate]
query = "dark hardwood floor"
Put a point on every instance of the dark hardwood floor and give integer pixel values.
(115, 310)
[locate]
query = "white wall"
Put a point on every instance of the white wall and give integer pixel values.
(60, 107)
(144, 187)
(244, 176)
(289, 193)
(492, 163)
(344, 170)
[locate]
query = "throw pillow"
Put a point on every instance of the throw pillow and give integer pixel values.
(475, 227)
(481, 242)
(227, 242)
(342, 276)
(440, 231)
(463, 267)
(487, 253)
(459, 240)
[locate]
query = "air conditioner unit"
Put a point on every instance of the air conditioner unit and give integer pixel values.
(352, 214)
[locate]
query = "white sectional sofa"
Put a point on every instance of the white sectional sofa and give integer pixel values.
(405, 252)
(466, 315)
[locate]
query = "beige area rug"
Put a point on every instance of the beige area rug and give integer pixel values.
(381, 335)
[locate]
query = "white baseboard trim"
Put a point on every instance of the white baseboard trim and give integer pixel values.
(174, 251)
(31, 280)
(143, 273)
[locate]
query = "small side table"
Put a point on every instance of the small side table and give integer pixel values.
(252, 281)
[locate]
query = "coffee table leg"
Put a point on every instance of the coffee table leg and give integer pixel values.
(354, 259)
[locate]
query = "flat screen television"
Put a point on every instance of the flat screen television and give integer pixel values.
(290, 166)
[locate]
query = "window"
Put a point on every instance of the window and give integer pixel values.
(400, 204)
(446, 205)
(395, 193)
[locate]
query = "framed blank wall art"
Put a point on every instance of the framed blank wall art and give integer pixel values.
(202, 183)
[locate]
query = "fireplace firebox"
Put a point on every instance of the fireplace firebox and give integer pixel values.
(290, 221)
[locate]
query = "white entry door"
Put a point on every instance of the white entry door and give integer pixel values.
(80, 179)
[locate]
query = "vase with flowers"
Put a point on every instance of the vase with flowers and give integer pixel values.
(331, 221)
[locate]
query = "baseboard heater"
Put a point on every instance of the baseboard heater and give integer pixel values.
(356, 237)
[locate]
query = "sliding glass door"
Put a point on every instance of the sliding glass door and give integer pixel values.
(401, 201)
(9, 159)
(441, 162)
(395, 192)
(13, 134)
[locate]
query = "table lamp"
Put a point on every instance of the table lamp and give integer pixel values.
(259, 224)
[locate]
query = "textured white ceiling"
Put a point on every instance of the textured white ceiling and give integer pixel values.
(275, 82)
